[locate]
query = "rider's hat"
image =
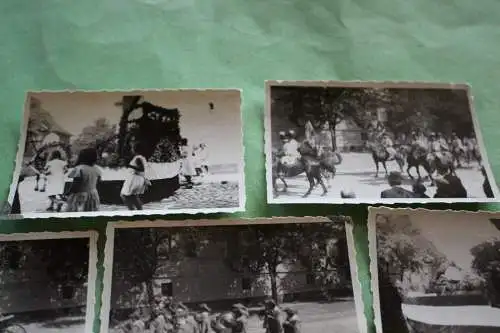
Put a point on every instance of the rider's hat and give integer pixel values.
(291, 133)
(282, 134)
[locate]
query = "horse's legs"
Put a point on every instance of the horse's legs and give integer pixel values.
(275, 186)
(408, 168)
(384, 164)
(44, 183)
(37, 179)
(376, 168)
(418, 172)
(320, 180)
(285, 185)
(310, 178)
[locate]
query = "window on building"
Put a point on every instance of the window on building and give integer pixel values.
(167, 289)
(13, 257)
(310, 279)
(67, 292)
(246, 284)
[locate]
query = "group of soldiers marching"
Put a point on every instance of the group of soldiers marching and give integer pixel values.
(168, 316)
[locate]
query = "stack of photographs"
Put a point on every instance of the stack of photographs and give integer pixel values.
(168, 152)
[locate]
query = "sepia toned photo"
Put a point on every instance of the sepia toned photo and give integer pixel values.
(435, 271)
(47, 282)
(367, 142)
(127, 153)
(277, 275)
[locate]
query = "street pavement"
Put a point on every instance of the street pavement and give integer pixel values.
(356, 174)
(66, 325)
(212, 191)
(481, 315)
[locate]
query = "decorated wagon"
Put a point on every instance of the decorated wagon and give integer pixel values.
(156, 132)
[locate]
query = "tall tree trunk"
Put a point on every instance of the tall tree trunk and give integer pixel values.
(150, 293)
(122, 130)
(273, 276)
(333, 132)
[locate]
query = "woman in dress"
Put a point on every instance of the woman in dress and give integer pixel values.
(55, 170)
(188, 166)
(86, 175)
(136, 183)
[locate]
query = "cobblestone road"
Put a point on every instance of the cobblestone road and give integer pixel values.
(215, 191)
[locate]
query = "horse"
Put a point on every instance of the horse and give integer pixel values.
(417, 156)
(380, 155)
(308, 163)
(458, 153)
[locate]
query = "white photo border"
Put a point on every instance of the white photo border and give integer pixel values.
(373, 212)
(92, 236)
(371, 84)
(126, 213)
(109, 253)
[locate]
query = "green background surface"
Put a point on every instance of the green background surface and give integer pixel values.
(133, 44)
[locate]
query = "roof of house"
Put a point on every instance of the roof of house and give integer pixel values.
(42, 117)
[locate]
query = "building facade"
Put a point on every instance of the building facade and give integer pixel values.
(25, 285)
(208, 277)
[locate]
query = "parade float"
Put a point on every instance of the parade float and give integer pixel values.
(156, 132)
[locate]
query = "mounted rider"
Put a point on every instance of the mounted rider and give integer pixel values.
(438, 146)
(324, 141)
(456, 143)
(388, 144)
(290, 147)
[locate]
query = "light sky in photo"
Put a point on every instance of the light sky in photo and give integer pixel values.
(220, 129)
(455, 234)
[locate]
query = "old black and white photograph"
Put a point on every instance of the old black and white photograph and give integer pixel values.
(47, 282)
(374, 142)
(435, 271)
(127, 153)
(269, 276)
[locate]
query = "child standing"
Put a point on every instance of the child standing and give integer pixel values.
(135, 184)
(55, 170)
(86, 175)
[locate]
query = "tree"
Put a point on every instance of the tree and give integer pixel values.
(66, 260)
(100, 132)
(264, 248)
(139, 253)
(486, 261)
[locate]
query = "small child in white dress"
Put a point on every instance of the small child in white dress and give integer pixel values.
(55, 170)
(135, 184)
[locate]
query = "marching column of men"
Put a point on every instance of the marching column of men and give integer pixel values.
(170, 317)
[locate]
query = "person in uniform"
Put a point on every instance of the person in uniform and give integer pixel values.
(272, 319)
(290, 149)
(389, 146)
(395, 180)
(241, 314)
(292, 321)
(203, 318)
(138, 325)
(182, 322)
(159, 323)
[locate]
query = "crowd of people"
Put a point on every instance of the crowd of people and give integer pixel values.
(83, 195)
(168, 316)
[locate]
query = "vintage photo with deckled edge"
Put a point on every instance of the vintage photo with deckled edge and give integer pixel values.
(360, 142)
(45, 292)
(112, 153)
(435, 271)
(319, 310)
